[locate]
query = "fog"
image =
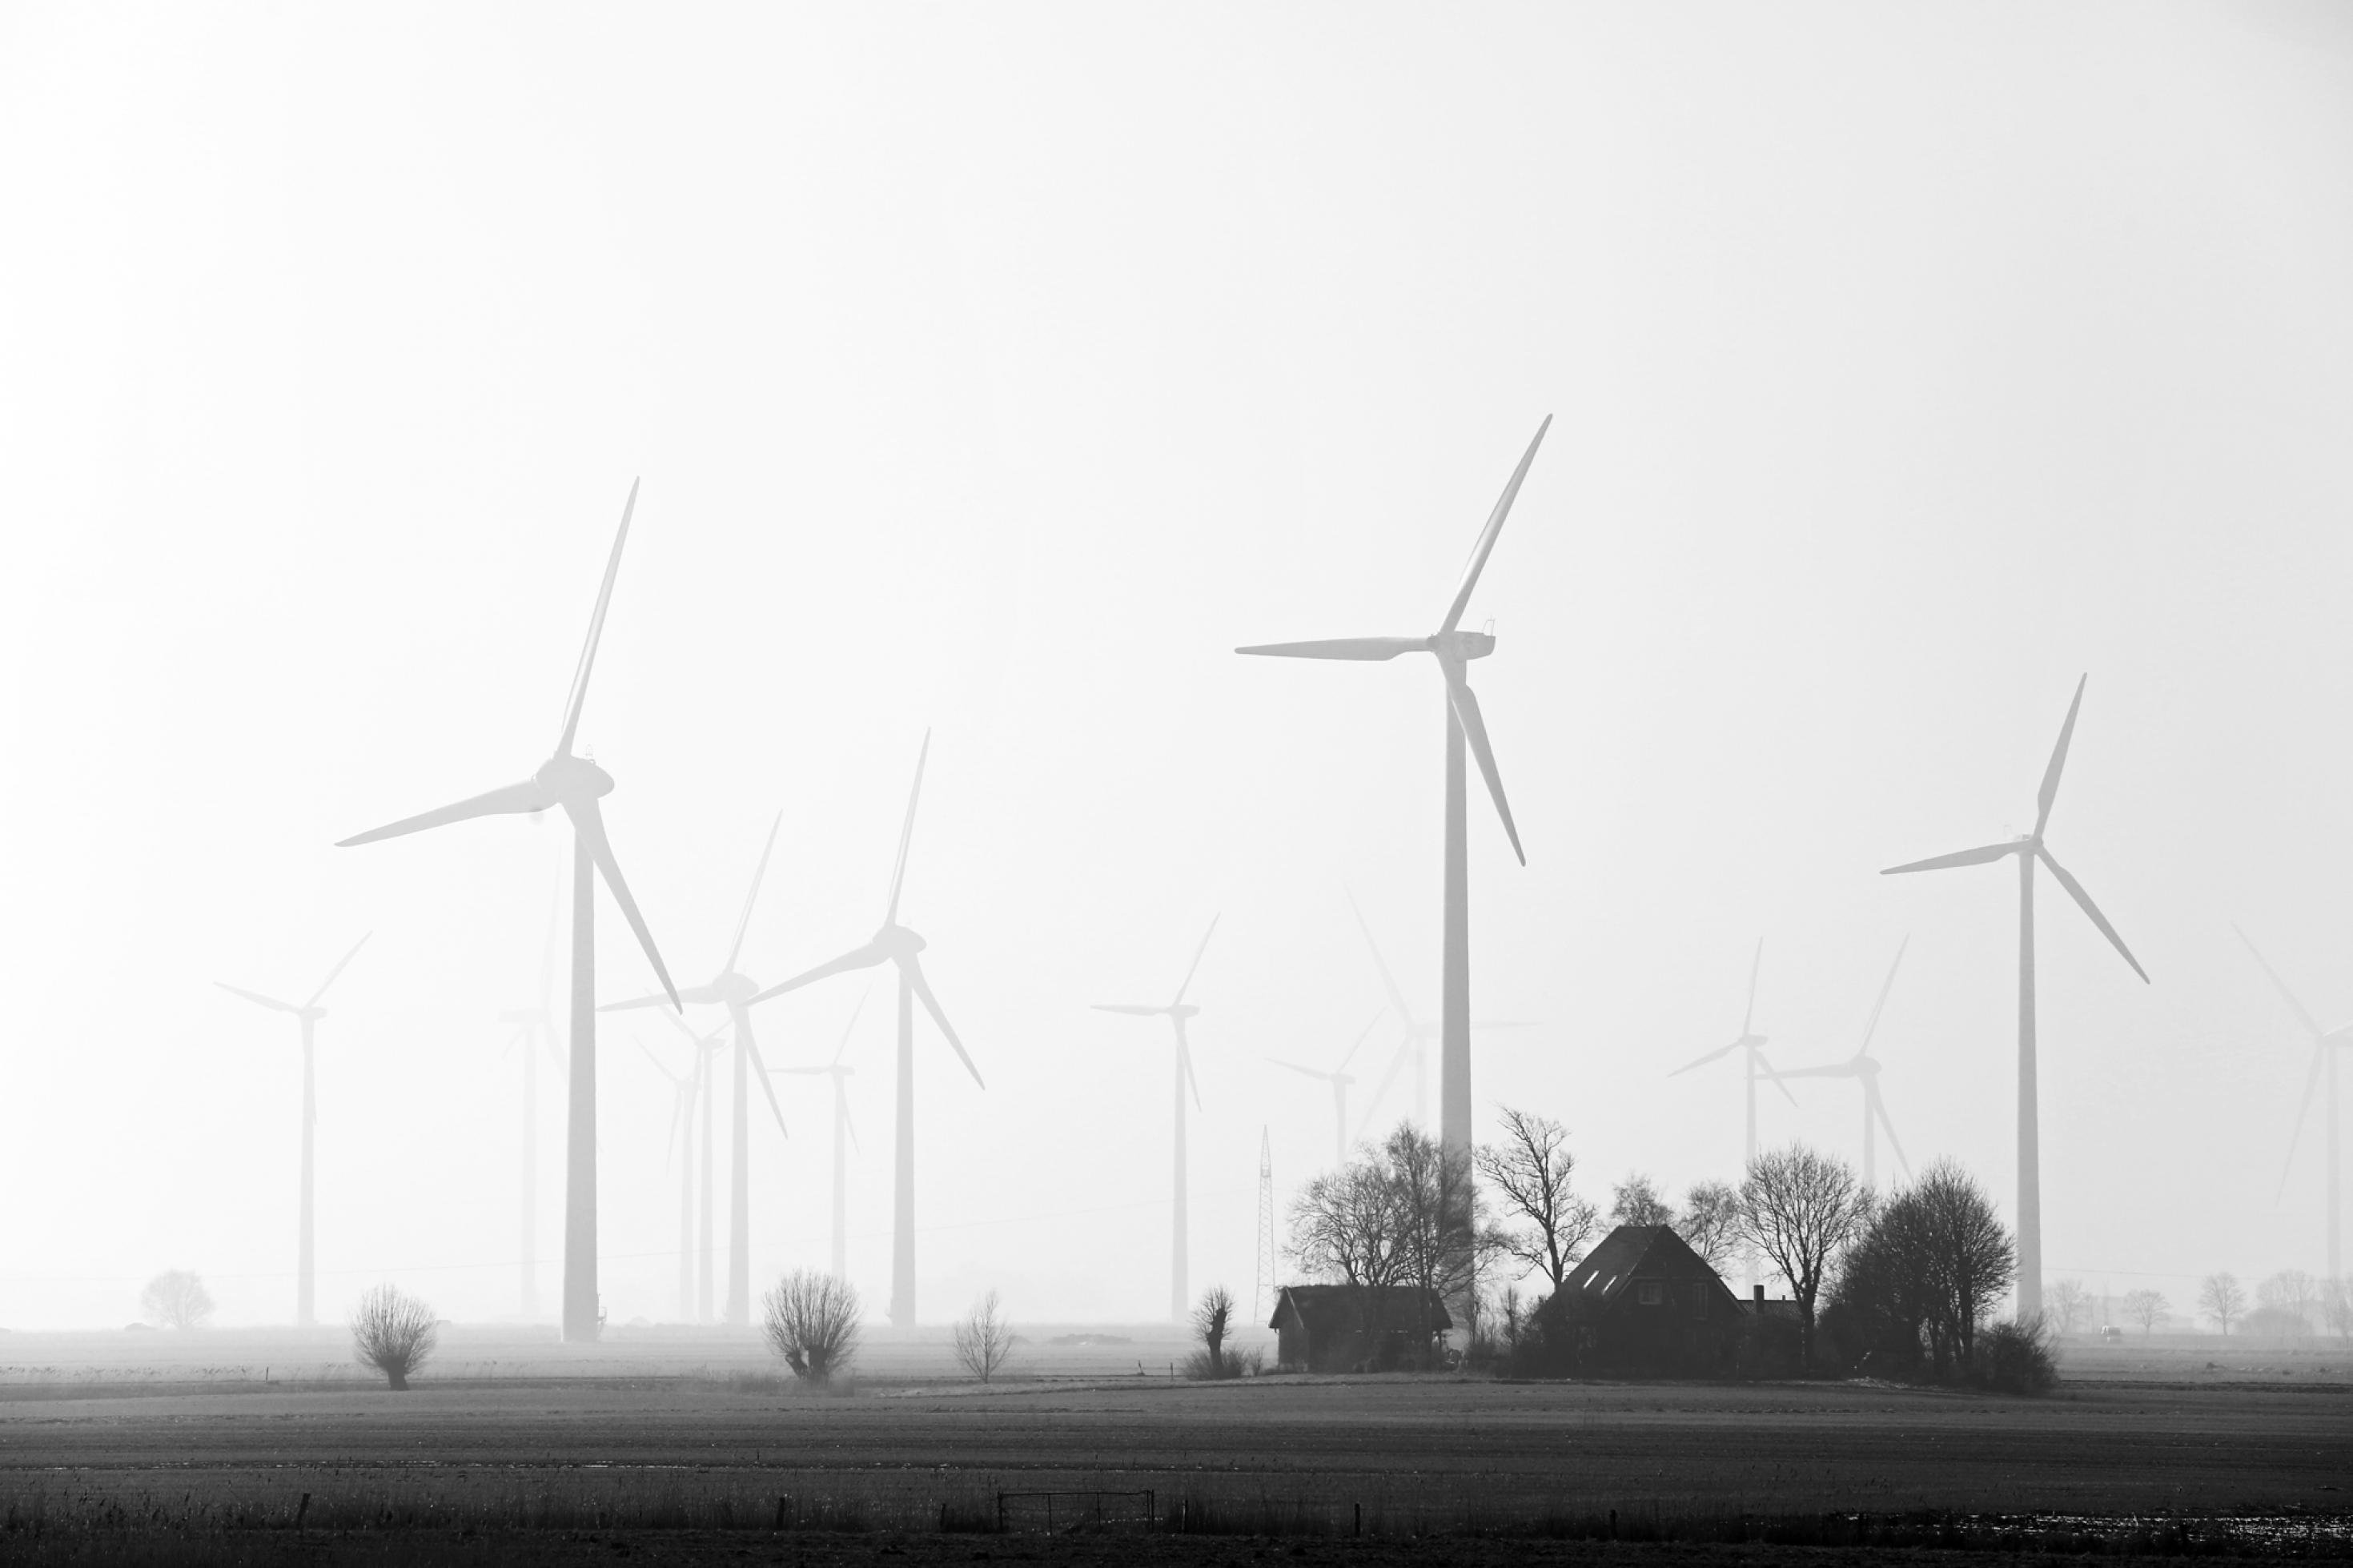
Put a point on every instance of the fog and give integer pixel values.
(994, 372)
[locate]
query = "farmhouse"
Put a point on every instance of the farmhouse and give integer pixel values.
(1358, 1328)
(1644, 1301)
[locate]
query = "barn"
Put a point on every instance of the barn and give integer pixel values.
(1358, 1328)
(1645, 1301)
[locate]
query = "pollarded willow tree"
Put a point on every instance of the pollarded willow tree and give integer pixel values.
(1801, 1209)
(811, 1319)
(394, 1333)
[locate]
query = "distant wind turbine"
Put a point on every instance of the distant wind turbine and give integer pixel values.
(2030, 849)
(733, 990)
(309, 1013)
(1752, 1045)
(1339, 1078)
(1865, 1069)
(534, 1031)
(1176, 1012)
(2326, 1046)
(1414, 1036)
(894, 943)
(841, 1129)
(576, 785)
(1454, 649)
(684, 1089)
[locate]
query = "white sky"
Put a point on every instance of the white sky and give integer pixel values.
(998, 369)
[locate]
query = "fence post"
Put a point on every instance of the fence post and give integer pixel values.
(302, 1510)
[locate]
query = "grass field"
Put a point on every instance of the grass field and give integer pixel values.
(685, 1447)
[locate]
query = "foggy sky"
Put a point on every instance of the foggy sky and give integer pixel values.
(998, 371)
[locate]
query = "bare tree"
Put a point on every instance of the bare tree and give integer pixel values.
(1394, 1217)
(1212, 1316)
(177, 1299)
(2220, 1297)
(984, 1341)
(1709, 1222)
(1548, 1226)
(2295, 1293)
(2149, 1308)
(812, 1320)
(1929, 1267)
(1636, 1201)
(1801, 1209)
(2064, 1301)
(2336, 1307)
(1344, 1227)
(393, 1332)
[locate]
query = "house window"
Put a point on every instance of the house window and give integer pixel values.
(1650, 1292)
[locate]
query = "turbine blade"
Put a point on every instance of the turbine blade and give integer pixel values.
(914, 969)
(579, 693)
(1887, 1125)
(1396, 1063)
(864, 957)
(744, 922)
(1389, 983)
(588, 821)
(2050, 791)
(656, 1000)
(256, 996)
(850, 1126)
(547, 959)
(2311, 1082)
(1362, 1036)
(1712, 1056)
(1833, 1069)
(2076, 891)
(1133, 1009)
(1365, 649)
(1748, 1018)
(1480, 551)
(1474, 730)
(1872, 1027)
(760, 1062)
(907, 832)
(330, 980)
(854, 1011)
(2311, 1025)
(1776, 1078)
(1185, 1056)
(648, 1055)
(1979, 857)
(1196, 959)
(506, 800)
(1294, 1067)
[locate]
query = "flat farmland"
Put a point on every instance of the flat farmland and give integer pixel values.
(632, 1446)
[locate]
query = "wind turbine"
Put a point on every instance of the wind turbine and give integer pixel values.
(684, 1089)
(576, 785)
(309, 1013)
(1752, 1045)
(841, 1128)
(1454, 649)
(534, 1031)
(733, 990)
(1414, 1036)
(1865, 1069)
(1339, 1078)
(695, 1250)
(894, 943)
(2028, 849)
(2327, 1044)
(1177, 1012)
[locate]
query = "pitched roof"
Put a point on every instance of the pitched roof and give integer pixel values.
(1638, 1249)
(1322, 1307)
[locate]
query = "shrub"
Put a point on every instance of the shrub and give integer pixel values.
(177, 1299)
(2015, 1357)
(812, 1320)
(393, 1332)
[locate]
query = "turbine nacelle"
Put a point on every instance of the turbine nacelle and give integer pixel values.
(895, 941)
(731, 989)
(1462, 645)
(568, 778)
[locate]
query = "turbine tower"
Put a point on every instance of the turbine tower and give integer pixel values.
(2326, 1045)
(684, 1089)
(2030, 849)
(305, 1245)
(1339, 1078)
(1865, 1069)
(733, 990)
(1177, 1012)
(1454, 649)
(894, 943)
(1414, 1037)
(841, 1128)
(534, 1031)
(576, 785)
(1752, 1045)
